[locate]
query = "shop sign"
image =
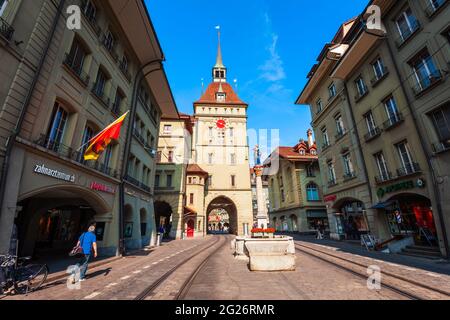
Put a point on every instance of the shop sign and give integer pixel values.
(42, 169)
(331, 198)
(406, 185)
(102, 187)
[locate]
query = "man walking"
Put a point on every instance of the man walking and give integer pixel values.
(88, 242)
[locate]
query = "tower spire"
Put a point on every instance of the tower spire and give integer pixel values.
(219, 70)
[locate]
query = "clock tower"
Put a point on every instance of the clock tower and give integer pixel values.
(220, 148)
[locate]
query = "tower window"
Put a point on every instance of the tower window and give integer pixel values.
(220, 97)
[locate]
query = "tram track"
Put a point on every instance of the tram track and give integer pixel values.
(147, 292)
(391, 281)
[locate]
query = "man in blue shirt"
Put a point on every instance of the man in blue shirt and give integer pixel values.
(88, 242)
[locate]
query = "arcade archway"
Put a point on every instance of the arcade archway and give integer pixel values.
(222, 216)
(163, 212)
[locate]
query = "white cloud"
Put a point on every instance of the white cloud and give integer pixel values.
(272, 68)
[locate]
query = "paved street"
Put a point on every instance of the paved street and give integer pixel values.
(224, 277)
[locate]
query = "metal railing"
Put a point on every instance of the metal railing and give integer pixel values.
(138, 183)
(340, 134)
(349, 175)
(359, 95)
(383, 178)
(332, 183)
(69, 61)
(425, 83)
(393, 121)
(409, 169)
(441, 146)
(68, 152)
(6, 30)
(109, 47)
(99, 92)
(434, 6)
(124, 70)
(372, 134)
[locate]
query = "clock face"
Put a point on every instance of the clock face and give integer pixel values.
(221, 124)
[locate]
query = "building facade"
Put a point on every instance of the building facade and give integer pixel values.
(401, 134)
(295, 192)
(59, 88)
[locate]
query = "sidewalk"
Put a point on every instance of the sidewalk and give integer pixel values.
(439, 266)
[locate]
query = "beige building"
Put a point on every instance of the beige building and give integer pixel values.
(60, 87)
(295, 192)
(400, 133)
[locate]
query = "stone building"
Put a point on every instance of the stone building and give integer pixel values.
(397, 90)
(295, 190)
(59, 88)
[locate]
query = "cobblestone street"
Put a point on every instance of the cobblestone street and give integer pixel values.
(205, 269)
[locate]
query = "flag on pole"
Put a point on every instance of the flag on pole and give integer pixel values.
(217, 27)
(99, 143)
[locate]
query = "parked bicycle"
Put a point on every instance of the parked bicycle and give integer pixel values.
(22, 276)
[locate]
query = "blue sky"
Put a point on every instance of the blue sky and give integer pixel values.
(268, 46)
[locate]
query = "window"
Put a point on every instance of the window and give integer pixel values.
(88, 133)
(382, 166)
(158, 156)
(231, 132)
(425, 71)
(312, 192)
(283, 199)
(433, 6)
(220, 97)
(348, 166)
(378, 69)
(331, 173)
(405, 158)
(169, 180)
(326, 140)
(319, 105)
(340, 129)
(109, 41)
(233, 158)
(191, 198)
(361, 87)
(100, 82)
(221, 136)
(392, 111)
(406, 24)
(76, 56)
(124, 64)
(302, 152)
(90, 11)
(170, 156)
(370, 122)
(446, 34)
(310, 171)
(210, 158)
(3, 4)
(233, 180)
(210, 132)
(157, 180)
(210, 180)
(167, 129)
(332, 91)
(118, 102)
(441, 121)
(57, 127)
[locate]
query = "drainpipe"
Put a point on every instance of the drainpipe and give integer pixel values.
(11, 139)
(423, 144)
(366, 173)
(137, 80)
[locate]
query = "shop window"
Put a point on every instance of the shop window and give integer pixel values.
(57, 127)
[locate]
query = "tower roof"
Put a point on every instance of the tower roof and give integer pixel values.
(219, 61)
(210, 94)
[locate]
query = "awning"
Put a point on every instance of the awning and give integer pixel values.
(382, 205)
(188, 211)
(316, 214)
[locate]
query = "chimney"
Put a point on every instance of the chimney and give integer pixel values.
(310, 138)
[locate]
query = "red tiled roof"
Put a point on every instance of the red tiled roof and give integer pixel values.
(289, 153)
(210, 94)
(195, 168)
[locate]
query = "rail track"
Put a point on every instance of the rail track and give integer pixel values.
(394, 282)
(187, 284)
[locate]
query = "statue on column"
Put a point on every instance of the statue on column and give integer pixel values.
(257, 155)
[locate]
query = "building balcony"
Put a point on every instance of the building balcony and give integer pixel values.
(427, 83)
(378, 78)
(74, 155)
(409, 169)
(69, 61)
(393, 121)
(137, 183)
(408, 34)
(384, 178)
(6, 30)
(332, 183)
(434, 6)
(441, 146)
(349, 176)
(99, 93)
(372, 134)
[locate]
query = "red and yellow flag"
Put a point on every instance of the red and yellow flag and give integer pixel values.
(99, 143)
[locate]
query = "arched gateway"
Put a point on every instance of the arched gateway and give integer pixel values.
(222, 216)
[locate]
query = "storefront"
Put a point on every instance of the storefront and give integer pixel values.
(317, 219)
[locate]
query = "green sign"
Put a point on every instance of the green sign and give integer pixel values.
(406, 185)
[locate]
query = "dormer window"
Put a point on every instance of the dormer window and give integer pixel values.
(220, 97)
(302, 152)
(313, 152)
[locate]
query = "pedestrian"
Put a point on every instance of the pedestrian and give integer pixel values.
(319, 232)
(160, 234)
(87, 241)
